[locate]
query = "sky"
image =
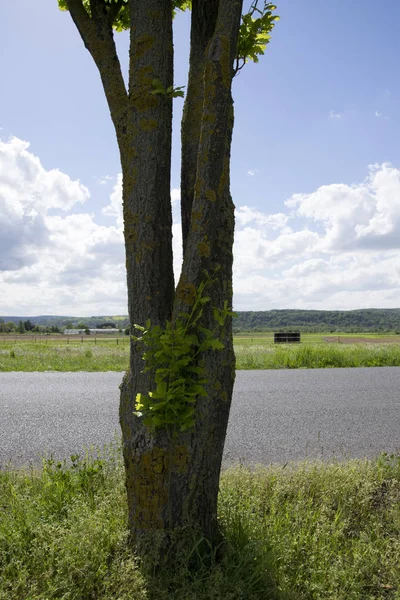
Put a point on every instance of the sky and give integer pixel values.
(315, 164)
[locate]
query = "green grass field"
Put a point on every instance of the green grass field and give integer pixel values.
(316, 338)
(252, 352)
(303, 532)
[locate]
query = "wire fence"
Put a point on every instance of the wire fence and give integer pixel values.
(64, 339)
(239, 339)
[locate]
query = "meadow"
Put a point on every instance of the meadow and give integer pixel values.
(300, 532)
(252, 352)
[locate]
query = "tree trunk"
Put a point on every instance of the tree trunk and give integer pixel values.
(209, 247)
(145, 157)
(204, 17)
(172, 481)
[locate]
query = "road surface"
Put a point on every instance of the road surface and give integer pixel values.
(276, 416)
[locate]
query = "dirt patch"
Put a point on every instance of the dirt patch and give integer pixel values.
(335, 339)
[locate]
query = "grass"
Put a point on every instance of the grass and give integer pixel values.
(244, 339)
(251, 353)
(310, 531)
(318, 356)
(60, 356)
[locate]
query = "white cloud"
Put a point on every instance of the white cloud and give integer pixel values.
(27, 193)
(346, 254)
(252, 172)
(177, 249)
(49, 261)
(380, 115)
(103, 180)
(245, 215)
(175, 195)
(337, 247)
(334, 115)
(364, 215)
(114, 209)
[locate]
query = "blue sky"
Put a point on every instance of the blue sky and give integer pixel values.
(317, 226)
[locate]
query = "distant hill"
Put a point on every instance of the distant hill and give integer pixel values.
(61, 321)
(352, 321)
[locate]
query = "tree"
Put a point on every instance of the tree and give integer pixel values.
(21, 327)
(106, 325)
(7, 327)
(28, 325)
(176, 395)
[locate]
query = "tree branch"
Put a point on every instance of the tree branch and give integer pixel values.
(97, 35)
(204, 18)
(212, 177)
(114, 9)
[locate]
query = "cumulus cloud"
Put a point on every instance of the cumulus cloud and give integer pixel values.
(245, 215)
(27, 193)
(48, 257)
(358, 216)
(346, 254)
(114, 209)
(334, 115)
(336, 247)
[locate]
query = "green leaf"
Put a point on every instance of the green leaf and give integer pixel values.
(216, 344)
(198, 390)
(254, 33)
(173, 354)
(187, 425)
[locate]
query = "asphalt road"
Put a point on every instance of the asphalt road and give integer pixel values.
(277, 416)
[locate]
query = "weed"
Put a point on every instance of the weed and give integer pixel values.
(310, 531)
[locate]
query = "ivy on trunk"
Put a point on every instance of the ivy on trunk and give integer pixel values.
(172, 472)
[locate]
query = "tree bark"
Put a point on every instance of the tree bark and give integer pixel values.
(172, 482)
(146, 158)
(209, 247)
(203, 21)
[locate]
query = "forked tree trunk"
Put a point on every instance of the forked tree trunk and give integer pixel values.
(172, 483)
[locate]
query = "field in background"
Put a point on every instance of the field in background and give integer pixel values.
(320, 338)
(253, 351)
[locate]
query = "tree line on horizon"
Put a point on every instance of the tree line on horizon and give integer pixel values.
(315, 321)
(307, 321)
